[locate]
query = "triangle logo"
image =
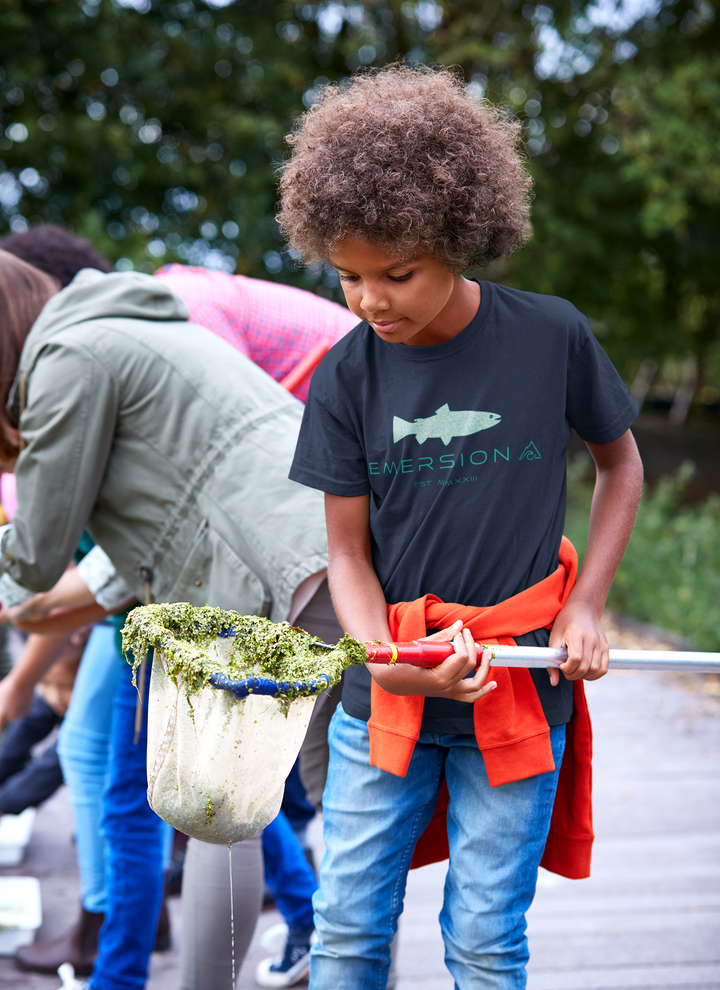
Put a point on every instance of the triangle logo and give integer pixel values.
(531, 453)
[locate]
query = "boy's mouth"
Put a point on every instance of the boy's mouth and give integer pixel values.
(386, 325)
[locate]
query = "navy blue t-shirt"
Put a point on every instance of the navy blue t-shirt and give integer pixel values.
(462, 448)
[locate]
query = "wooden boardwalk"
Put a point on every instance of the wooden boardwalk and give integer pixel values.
(649, 917)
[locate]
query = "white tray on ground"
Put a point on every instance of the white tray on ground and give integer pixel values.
(20, 912)
(15, 832)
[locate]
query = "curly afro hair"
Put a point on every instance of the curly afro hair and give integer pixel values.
(55, 251)
(404, 156)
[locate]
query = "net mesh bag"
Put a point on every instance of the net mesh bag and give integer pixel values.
(217, 764)
(230, 702)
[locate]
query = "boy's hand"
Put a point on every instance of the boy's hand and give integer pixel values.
(618, 487)
(578, 629)
(445, 681)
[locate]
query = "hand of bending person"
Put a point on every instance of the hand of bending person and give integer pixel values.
(69, 592)
(49, 618)
(66, 606)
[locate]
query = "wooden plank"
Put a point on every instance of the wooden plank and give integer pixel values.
(648, 918)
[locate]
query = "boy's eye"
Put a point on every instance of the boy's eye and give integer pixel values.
(393, 278)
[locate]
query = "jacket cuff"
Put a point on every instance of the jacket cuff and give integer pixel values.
(98, 573)
(12, 593)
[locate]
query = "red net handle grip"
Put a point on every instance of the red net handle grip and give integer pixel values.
(416, 653)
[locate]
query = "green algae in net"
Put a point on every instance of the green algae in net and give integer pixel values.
(274, 650)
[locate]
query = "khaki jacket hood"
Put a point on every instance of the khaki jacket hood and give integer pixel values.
(94, 295)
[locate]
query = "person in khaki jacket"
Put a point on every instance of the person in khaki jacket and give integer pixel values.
(166, 443)
(172, 450)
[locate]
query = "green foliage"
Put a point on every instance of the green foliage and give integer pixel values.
(156, 131)
(151, 131)
(620, 127)
(155, 128)
(670, 574)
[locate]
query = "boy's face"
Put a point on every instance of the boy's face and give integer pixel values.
(407, 299)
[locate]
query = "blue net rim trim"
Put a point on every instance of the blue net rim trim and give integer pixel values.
(266, 686)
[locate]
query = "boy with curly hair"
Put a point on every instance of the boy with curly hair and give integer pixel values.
(437, 429)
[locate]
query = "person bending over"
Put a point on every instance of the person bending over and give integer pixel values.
(275, 326)
(172, 450)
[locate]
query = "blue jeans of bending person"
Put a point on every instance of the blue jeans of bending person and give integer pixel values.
(288, 874)
(372, 820)
(84, 751)
(135, 838)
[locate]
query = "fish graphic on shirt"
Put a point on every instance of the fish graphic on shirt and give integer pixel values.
(445, 425)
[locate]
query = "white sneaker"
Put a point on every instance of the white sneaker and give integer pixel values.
(67, 975)
(274, 937)
(289, 968)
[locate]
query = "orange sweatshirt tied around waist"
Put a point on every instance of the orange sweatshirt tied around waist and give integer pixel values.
(510, 727)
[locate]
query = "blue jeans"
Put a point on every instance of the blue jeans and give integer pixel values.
(372, 820)
(295, 805)
(135, 841)
(288, 874)
(84, 751)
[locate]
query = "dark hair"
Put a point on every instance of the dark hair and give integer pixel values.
(24, 290)
(405, 157)
(55, 251)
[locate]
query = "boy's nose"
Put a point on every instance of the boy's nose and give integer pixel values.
(374, 301)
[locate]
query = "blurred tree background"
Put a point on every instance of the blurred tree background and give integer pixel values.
(155, 129)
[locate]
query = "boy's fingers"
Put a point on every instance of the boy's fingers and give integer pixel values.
(470, 646)
(444, 635)
(587, 660)
(484, 665)
(599, 664)
(453, 671)
(472, 688)
(480, 693)
(461, 649)
(587, 647)
(576, 664)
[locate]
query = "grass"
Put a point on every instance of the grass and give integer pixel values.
(670, 574)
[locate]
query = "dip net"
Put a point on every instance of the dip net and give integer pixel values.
(230, 701)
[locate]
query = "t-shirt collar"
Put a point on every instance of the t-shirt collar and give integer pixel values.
(457, 343)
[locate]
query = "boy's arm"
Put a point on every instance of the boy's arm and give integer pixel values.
(362, 611)
(618, 487)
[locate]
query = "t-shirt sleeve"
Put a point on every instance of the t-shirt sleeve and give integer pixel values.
(329, 455)
(598, 405)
